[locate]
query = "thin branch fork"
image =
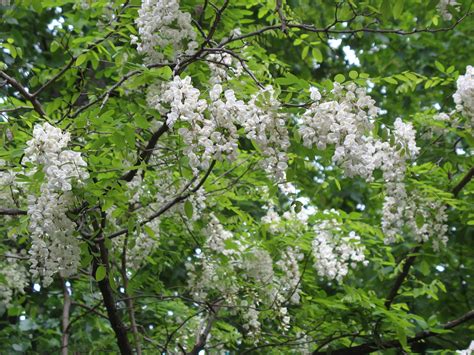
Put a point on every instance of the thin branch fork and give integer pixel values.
(370, 347)
(402, 276)
(12, 212)
(328, 30)
(177, 199)
(201, 343)
(23, 92)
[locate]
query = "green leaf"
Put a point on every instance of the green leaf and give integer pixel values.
(81, 59)
(54, 46)
(386, 9)
(340, 78)
(398, 8)
(100, 273)
(188, 209)
(402, 338)
(390, 80)
(353, 74)
(304, 53)
(317, 55)
(439, 66)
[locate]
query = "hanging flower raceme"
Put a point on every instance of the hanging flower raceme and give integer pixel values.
(54, 248)
(162, 25)
(266, 125)
(243, 276)
(334, 251)
(14, 278)
(464, 95)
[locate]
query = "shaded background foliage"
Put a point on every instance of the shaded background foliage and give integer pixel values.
(412, 76)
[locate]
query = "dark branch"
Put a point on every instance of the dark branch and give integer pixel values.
(205, 333)
(177, 199)
(402, 276)
(465, 180)
(328, 30)
(145, 155)
(23, 92)
(279, 10)
(370, 347)
(100, 252)
(11, 212)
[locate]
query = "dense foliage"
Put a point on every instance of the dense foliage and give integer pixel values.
(236, 176)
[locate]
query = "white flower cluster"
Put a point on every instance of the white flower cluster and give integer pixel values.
(14, 278)
(144, 245)
(291, 279)
(8, 186)
(415, 215)
(221, 64)
(60, 165)
(264, 124)
(209, 131)
(53, 245)
(209, 274)
(161, 25)
(401, 211)
(334, 251)
(217, 237)
(289, 220)
(346, 123)
(464, 96)
(443, 10)
(258, 265)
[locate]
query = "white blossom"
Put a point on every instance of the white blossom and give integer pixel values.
(54, 248)
(14, 278)
(334, 251)
(266, 125)
(161, 24)
(464, 95)
(443, 10)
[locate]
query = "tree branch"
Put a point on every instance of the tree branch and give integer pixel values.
(205, 333)
(328, 30)
(370, 347)
(11, 212)
(179, 198)
(100, 253)
(24, 92)
(145, 155)
(465, 180)
(129, 300)
(65, 320)
(279, 10)
(402, 276)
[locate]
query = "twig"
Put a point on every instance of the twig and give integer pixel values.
(11, 212)
(24, 92)
(370, 347)
(401, 277)
(465, 180)
(203, 336)
(179, 198)
(65, 319)
(328, 30)
(129, 301)
(279, 10)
